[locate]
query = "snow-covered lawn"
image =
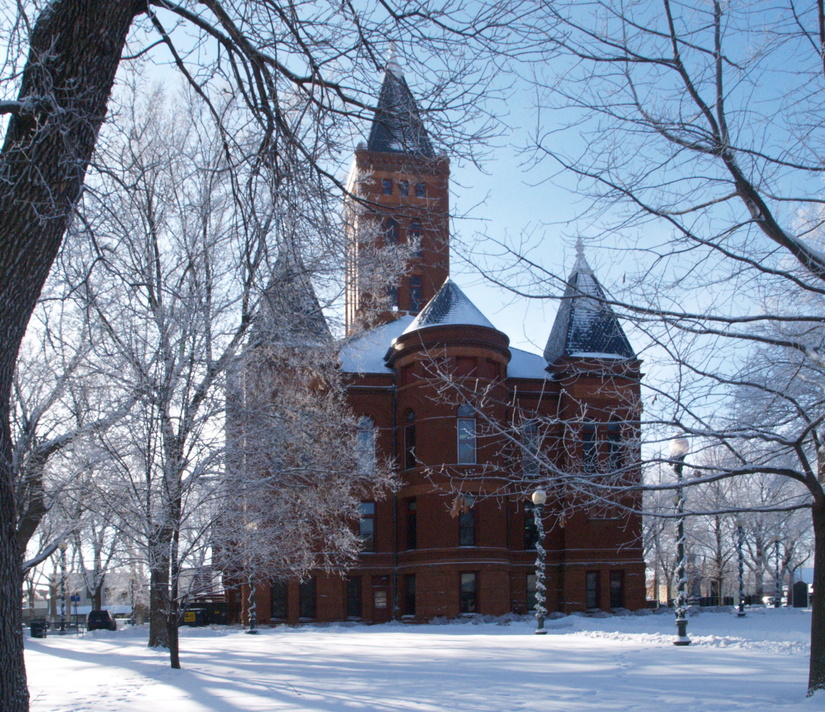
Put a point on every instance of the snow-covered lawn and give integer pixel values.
(617, 663)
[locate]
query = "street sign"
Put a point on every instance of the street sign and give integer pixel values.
(75, 599)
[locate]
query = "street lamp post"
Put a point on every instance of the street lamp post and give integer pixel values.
(63, 546)
(777, 598)
(740, 541)
(678, 450)
(539, 497)
(251, 528)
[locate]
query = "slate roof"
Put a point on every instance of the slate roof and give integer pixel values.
(397, 126)
(290, 312)
(449, 306)
(586, 325)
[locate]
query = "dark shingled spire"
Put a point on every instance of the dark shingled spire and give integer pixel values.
(290, 313)
(397, 125)
(449, 306)
(585, 325)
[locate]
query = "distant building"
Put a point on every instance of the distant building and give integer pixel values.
(472, 424)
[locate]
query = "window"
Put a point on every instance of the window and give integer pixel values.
(591, 592)
(277, 595)
(589, 447)
(409, 595)
(415, 294)
(307, 598)
(365, 445)
(467, 523)
(404, 188)
(409, 441)
(531, 592)
(530, 448)
(466, 427)
(412, 533)
(366, 526)
(420, 190)
(386, 186)
(469, 599)
(531, 533)
(354, 597)
(414, 237)
(392, 298)
(379, 598)
(615, 455)
(617, 589)
(390, 232)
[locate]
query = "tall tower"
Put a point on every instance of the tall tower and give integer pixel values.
(397, 212)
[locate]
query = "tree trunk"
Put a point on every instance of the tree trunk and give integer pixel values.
(816, 671)
(75, 49)
(158, 607)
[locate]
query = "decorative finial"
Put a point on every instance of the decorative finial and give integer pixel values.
(579, 248)
(393, 65)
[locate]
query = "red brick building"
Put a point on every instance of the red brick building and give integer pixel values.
(472, 424)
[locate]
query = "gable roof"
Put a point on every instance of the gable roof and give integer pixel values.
(449, 306)
(586, 325)
(397, 126)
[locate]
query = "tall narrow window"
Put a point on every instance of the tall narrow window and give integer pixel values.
(366, 445)
(591, 590)
(615, 454)
(307, 598)
(415, 294)
(469, 596)
(414, 236)
(404, 188)
(420, 190)
(354, 597)
(386, 186)
(466, 427)
(617, 589)
(391, 232)
(409, 441)
(409, 595)
(366, 526)
(412, 525)
(277, 592)
(467, 527)
(530, 448)
(531, 533)
(392, 298)
(589, 447)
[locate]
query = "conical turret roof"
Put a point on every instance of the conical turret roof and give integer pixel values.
(290, 313)
(397, 125)
(586, 325)
(449, 306)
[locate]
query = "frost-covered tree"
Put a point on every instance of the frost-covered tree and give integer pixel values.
(694, 146)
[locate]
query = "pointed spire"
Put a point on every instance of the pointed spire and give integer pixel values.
(397, 126)
(290, 313)
(585, 324)
(449, 306)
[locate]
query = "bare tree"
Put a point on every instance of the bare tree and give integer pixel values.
(57, 77)
(701, 153)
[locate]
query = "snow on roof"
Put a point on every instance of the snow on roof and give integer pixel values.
(524, 364)
(586, 325)
(449, 307)
(397, 126)
(365, 352)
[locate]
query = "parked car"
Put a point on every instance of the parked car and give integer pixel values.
(100, 620)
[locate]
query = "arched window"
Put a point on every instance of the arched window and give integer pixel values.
(366, 445)
(414, 236)
(466, 431)
(391, 232)
(530, 448)
(409, 441)
(420, 190)
(415, 294)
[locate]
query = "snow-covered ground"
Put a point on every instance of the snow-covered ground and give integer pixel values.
(616, 664)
